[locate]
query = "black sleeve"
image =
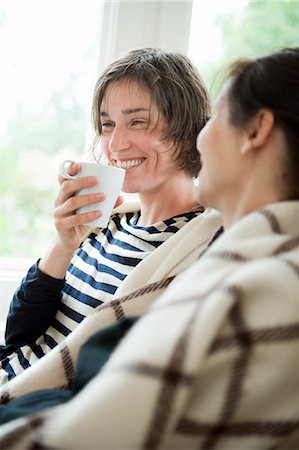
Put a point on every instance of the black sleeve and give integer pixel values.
(33, 307)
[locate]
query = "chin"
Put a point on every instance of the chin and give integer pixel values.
(200, 194)
(203, 197)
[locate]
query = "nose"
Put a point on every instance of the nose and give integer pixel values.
(119, 139)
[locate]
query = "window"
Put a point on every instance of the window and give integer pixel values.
(223, 30)
(48, 70)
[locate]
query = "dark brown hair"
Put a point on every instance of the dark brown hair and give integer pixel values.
(271, 82)
(176, 89)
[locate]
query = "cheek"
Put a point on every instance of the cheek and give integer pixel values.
(150, 143)
(164, 150)
(152, 148)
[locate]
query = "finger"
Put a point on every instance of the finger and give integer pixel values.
(76, 220)
(119, 201)
(72, 169)
(75, 202)
(70, 187)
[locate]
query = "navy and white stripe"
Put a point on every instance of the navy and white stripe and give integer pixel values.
(103, 261)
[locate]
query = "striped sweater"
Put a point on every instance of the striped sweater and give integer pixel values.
(105, 265)
(103, 261)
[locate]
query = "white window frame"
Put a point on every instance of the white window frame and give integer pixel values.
(126, 25)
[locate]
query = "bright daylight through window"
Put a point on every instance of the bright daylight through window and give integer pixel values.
(48, 70)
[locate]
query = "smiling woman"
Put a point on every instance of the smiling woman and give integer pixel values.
(133, 137)
(51, 55)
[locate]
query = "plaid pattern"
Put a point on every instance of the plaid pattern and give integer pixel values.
(212, 364)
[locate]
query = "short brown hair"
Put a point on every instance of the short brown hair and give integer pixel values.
(177, 90)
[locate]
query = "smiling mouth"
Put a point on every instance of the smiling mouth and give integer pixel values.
(129, 163)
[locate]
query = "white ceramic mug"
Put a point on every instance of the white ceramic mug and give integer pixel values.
(110, 183)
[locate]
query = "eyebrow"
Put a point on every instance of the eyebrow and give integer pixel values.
(126, 112)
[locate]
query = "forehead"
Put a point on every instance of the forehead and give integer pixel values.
(126, 95)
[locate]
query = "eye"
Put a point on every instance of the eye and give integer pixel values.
(139, 123)
(107, 125)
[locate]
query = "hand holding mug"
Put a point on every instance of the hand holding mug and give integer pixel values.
(88, 193)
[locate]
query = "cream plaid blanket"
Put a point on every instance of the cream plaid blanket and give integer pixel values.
(212, 364)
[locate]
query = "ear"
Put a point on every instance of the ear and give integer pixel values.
(258, 130)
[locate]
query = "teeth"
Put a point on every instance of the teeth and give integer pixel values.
(128, 164)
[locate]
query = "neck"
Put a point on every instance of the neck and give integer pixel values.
(262, 179)
(167, 201)
(249, 202)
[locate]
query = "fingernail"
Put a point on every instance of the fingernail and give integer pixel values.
(100, 196)
(93, 179)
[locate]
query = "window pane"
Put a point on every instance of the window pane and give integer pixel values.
(223, 30)
(48, 69)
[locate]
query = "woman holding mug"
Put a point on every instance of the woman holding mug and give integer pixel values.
(148, 108)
